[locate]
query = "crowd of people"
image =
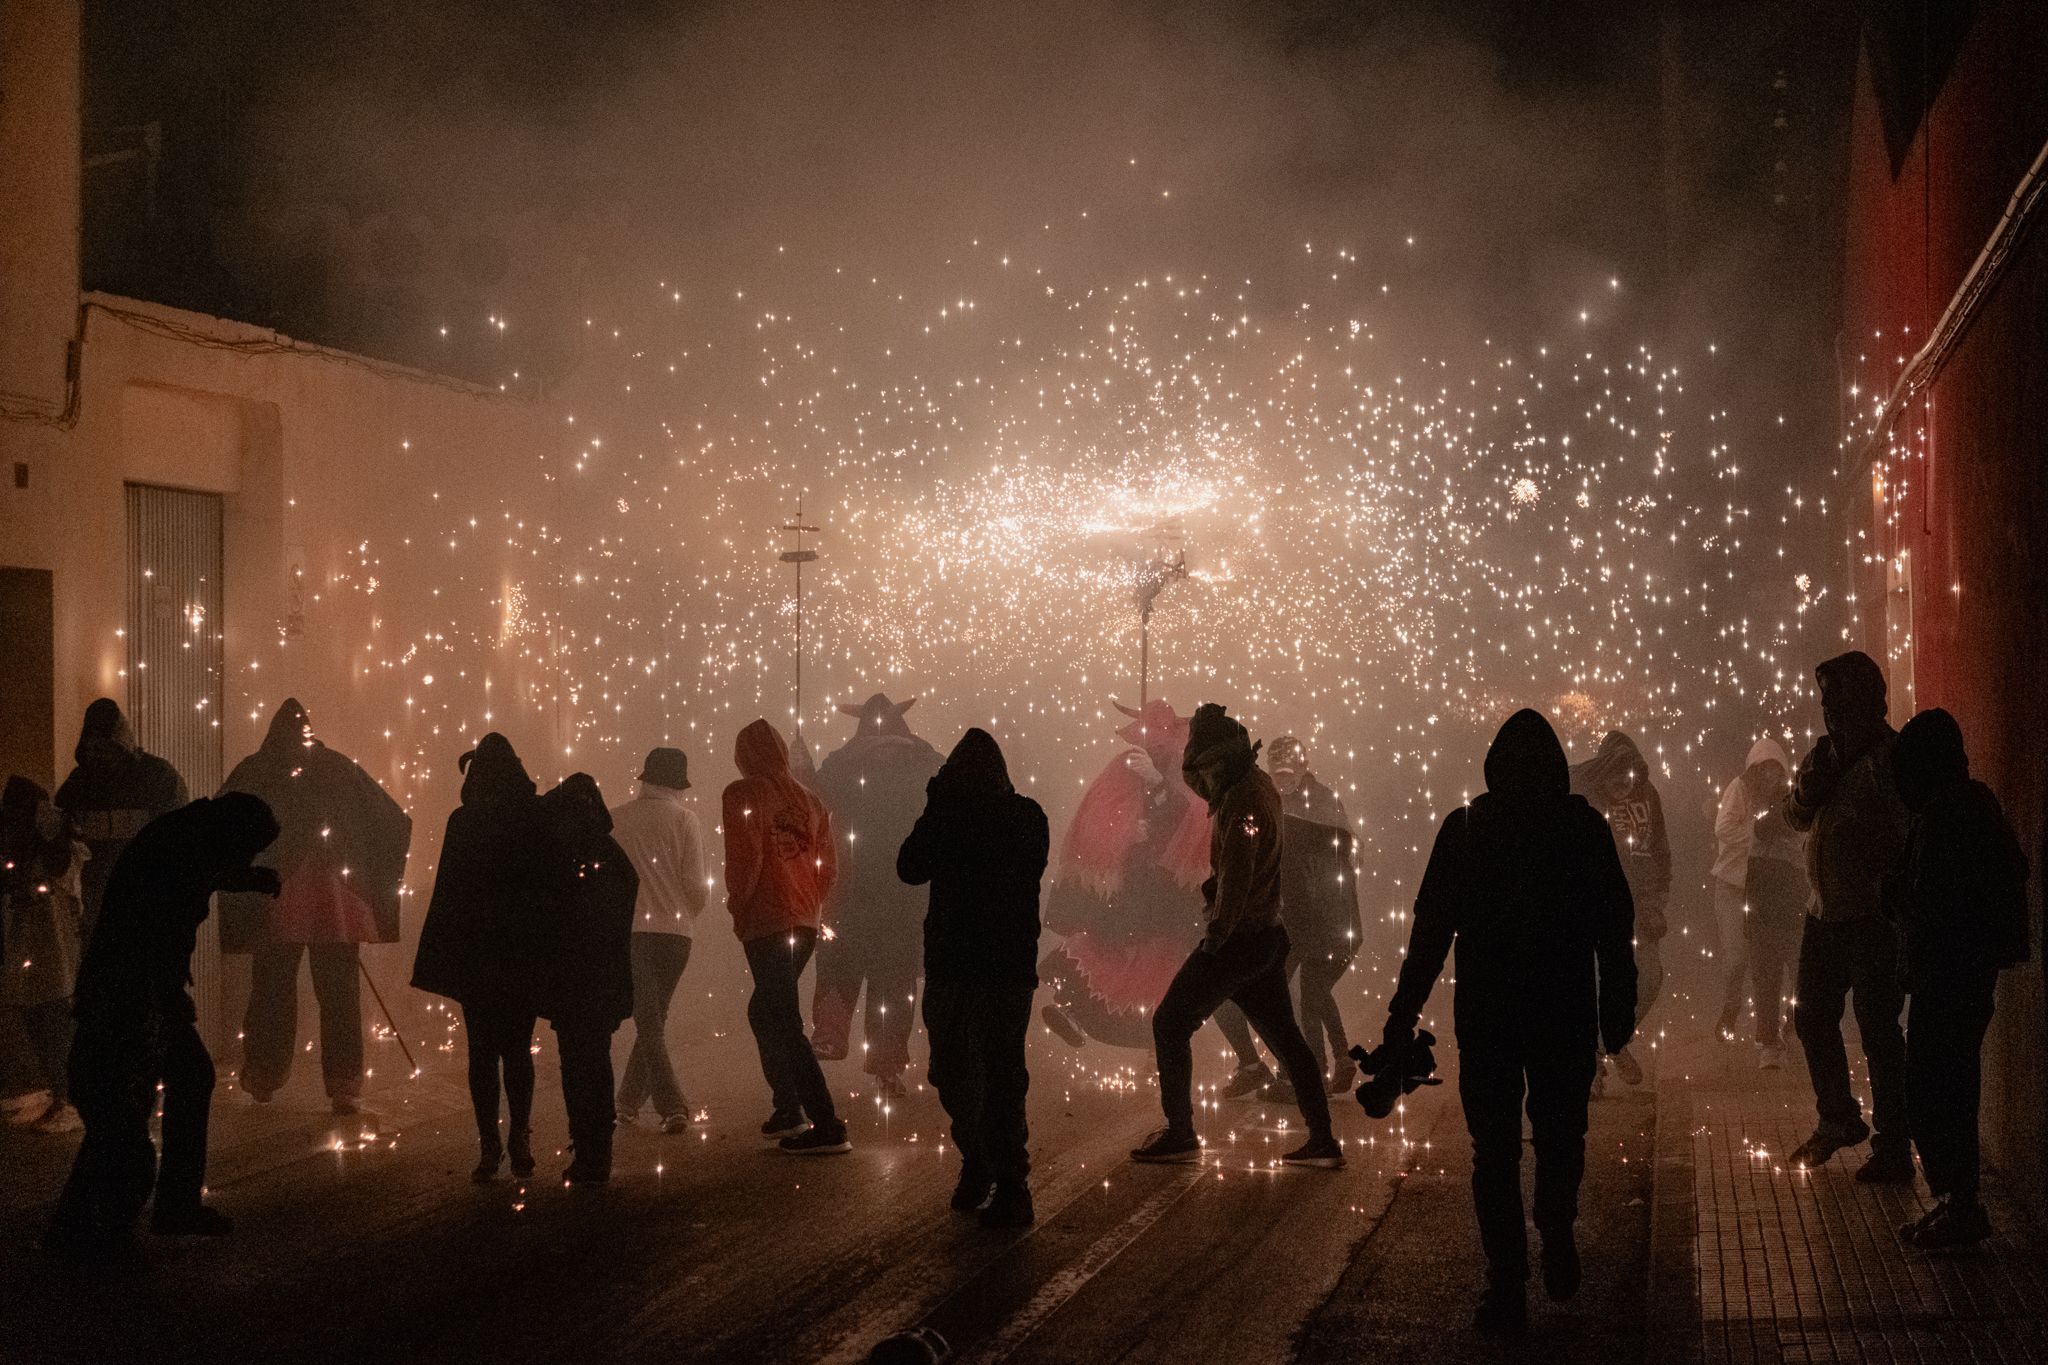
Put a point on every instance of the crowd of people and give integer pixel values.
(1195, 883)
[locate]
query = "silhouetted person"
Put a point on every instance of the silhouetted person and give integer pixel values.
(1843, 797)
(341, 857)
(114, 791)
(1616, 782)
(1758, 787)
(1775, 894)
(983, 848)
(490, 930)
(874, 786)
(1243, 954)
(662, 837)
(589, 990)
(780, 864)
(41, 935)
(137, 1027)
(1527, 882)
(1961, 906)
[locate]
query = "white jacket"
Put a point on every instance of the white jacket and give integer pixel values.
(1734, 825)
(662, 837)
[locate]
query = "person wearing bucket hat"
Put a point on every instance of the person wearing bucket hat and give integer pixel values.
(665, 841)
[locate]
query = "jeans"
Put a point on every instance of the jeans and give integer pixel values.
(500, 1035)
(658, 963)
(1317, 975)
(775, 1014)
(1773, 953)
(270, 1026)
(113, 1083)
(1249, 968)
(1944, 1077)
(1495, 1084)
(977, 1033)
(1733, 961)
(860, 956)
(586, 1050)
(1838, 959)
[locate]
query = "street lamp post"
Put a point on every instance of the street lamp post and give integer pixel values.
(798, 557)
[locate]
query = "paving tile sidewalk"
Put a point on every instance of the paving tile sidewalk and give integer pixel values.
(1756, 1261)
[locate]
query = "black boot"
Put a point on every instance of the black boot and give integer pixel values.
(490, 1154)
(972, 1191)
(1009, 1207)
(520, 1143)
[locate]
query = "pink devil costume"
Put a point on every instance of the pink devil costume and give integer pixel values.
(1125, 892)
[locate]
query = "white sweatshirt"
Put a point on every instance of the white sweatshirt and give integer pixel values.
(662, 837)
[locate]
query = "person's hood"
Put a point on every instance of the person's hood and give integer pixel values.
(880, 716)
(654, 791)
(1767, 750)
(1526, 760)
(976, 767)
(492, 772)
(233, 827)
(759, 751)
(1617, 754)
(291, 729)
(577, 806)
(104, 731)
(1929, 758)
(1218, 755)
(1852, 689)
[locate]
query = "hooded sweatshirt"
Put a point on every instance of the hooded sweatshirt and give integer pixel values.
(114, 791)
(1638, 822)
(1527, 882)
(661, 835)
(779, 860)
(590, 971)
(1242, 895)
(1734, 823)
(983, 848)
(1844, 795)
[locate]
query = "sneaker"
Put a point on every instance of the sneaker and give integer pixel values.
(1009, 1207)
(197, 1221)
(1503, 1311)
(890, 1087)
(1909, 1231)
(1561, 1269)
(1770, 1058)
(625, 1118)
(677, 1123)
(488, 1160)
(60, 1117)
(826, 1051)
(783, 1123)
(1066, 1029)
(1627, 1067)
(818, 1141)
(1954, 1224)
(582, 1172)
(1323, 1153)
(1249, 1080)
(1890, 1164)
(972, 1191)
(1168, 1146)
(1828, 1139)
(519, 1144)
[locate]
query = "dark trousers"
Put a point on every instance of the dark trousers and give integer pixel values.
(775, 1013)
(888, 968)
(1250, 969)
(1322, 1023)
(48, 1026)
(658, 963)
(500, 1038)
(586, 1050)
(1944, 1075)
(977, 1033)
(1858, 960)
(270, 1026)
(1495, 1086)
(113, 1083)
(1773, 951)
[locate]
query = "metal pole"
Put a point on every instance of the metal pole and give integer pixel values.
(396, 1032)
(1144, 658)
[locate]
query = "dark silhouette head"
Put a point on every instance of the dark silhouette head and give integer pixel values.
(880, 716)
(1614, 771)
(666, 767)
(578, 806)
(492, 772)
(1219, 752)
(1929, 759)
(1525, 761)
(233, 827)
(104, 732)
(1852, 696)
(976, 766)
(290, 728)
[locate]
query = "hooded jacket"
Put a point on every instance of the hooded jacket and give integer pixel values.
(499, 892)
(114, 791)
(1637, 820)
(1734, 822)
(1527, 883)
(661, 835)
(874, 786)
(342, 851)
(780, 863)
(139, 961)
(590, 971)
(1242, 894)
(983, 849)
(1960, 897)
(1844, 796)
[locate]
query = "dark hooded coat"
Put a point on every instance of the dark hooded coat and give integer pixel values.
(499, 892)
(874, 786)
(590, 981)
(342, 851)
(139, 961)
(1960, 897)
(1844, 795)
(983, 849)
(1637, 820)
(1526, 882)
(1221, 765)
(114, 791)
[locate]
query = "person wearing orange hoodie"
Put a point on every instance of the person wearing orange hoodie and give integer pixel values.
(779, 868)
